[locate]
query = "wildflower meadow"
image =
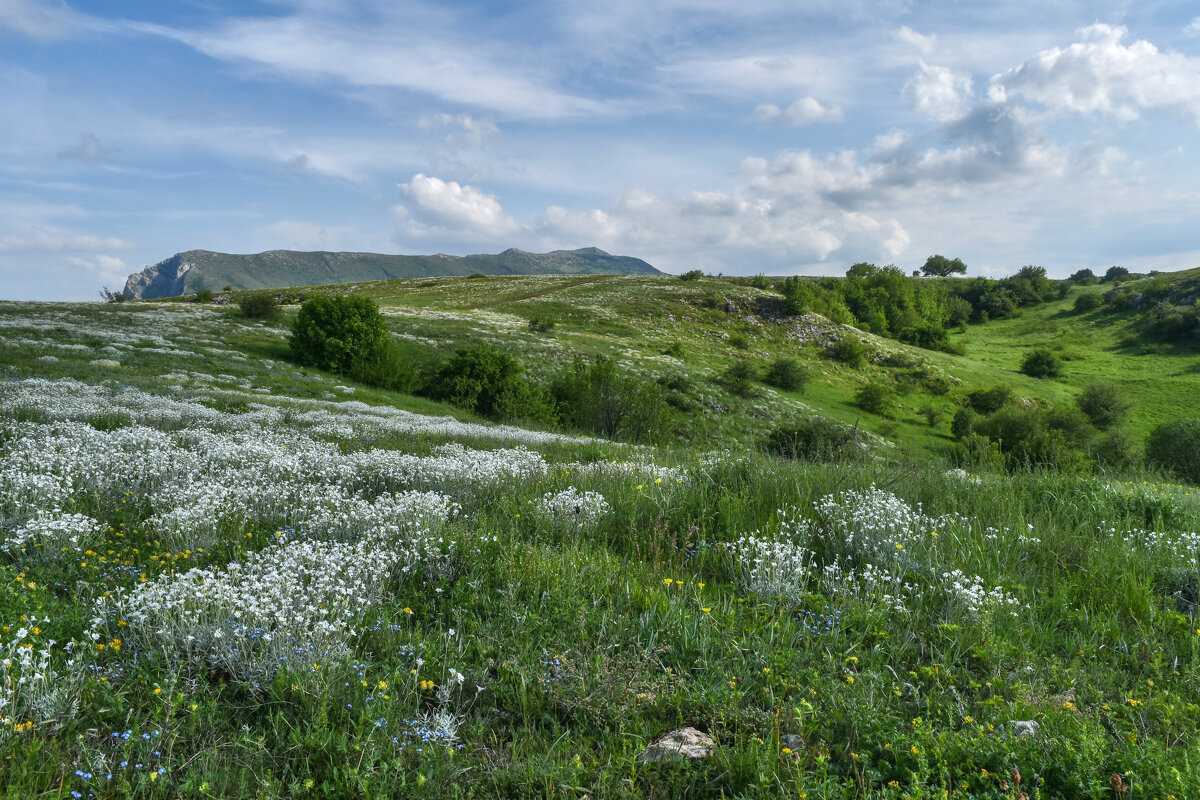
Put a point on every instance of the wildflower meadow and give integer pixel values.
(208, 590)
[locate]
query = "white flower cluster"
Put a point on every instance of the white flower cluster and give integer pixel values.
(572, 506)
(1184, 545)
(773, 567)
(639, 469)
(876, 525)
(30, 689)
(281, 603)
(50, 535)
(968, 593)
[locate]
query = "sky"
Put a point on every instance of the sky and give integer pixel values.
(776, 137)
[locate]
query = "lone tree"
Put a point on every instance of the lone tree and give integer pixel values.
(1115, 275)
(942, 267)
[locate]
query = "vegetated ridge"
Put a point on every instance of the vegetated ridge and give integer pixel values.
(198, 270)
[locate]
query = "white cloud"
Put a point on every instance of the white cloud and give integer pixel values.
(316, 45)
(1193, 28)
(924, 44)
(805, 111)
(451, 206)
(761, 73)
(939, 93)
(1102, 75)
(52, 239)
(89, 148)
(462, 129)
(45, 21)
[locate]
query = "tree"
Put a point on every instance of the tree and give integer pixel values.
(336, 333)
(1084, 277)
(942, 267)
(1115, 274)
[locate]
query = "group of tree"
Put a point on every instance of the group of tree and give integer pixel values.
(918, 310)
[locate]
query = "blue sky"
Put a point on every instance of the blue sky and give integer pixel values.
(776, 137)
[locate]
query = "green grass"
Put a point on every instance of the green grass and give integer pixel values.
(578, 646)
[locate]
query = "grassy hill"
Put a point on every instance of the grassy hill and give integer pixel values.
(223, 575)
(203, 270)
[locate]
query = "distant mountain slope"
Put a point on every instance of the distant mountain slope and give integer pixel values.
(195, 270)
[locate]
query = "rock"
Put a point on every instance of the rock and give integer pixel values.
(1025, 728)
(684, 743)
(791, 741)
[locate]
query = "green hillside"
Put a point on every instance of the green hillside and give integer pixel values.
(202, 270)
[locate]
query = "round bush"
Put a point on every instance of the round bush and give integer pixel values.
(1042, 363)
(336, 333)
(1088, 302)
(875, 398)
(1104, 403)
(1175, 446)
(787, 374)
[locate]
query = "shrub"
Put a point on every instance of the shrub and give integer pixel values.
(1117, 448)
(109, 296)
(787, 374)
(1175, 446)
(760, 282)
(674, 350)
(259, 306)
(986, 401)
(1088, 302)
(335, 333)
(1042, 362)
(738, 379)
(876, 398)
(963, 424)
(692, 275)
(816, 439)
(541, 325)
(850, 350)
(1084, 277)
(932, 414)
(739, 341)
(487, 380)
(203, 296)
(601, 398)
(1104, 403)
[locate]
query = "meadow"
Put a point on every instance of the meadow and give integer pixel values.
(226, 576)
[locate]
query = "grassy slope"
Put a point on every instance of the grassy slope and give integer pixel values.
(590, 643)
(636, 318)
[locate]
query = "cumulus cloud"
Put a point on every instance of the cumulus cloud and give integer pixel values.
(1103, 75)
(939, 93)
(448, 205)
(805, 111)
(1193, 28)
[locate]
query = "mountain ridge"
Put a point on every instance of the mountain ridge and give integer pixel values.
(192, 271)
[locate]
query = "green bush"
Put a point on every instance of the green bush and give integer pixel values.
(1042, 362)
(203, 296)
(601, 398)
(1175, 446)
(259, 306)
(541, 325)
(489, 381)
(876, 398)
(739, 378)
(962, 426)
(692, 275)
(1104, 403)
(986, 401)
(816, 439)
(336, 333)
(849, 350)
(1117, 448)
(787, 374)
(1088, 302)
